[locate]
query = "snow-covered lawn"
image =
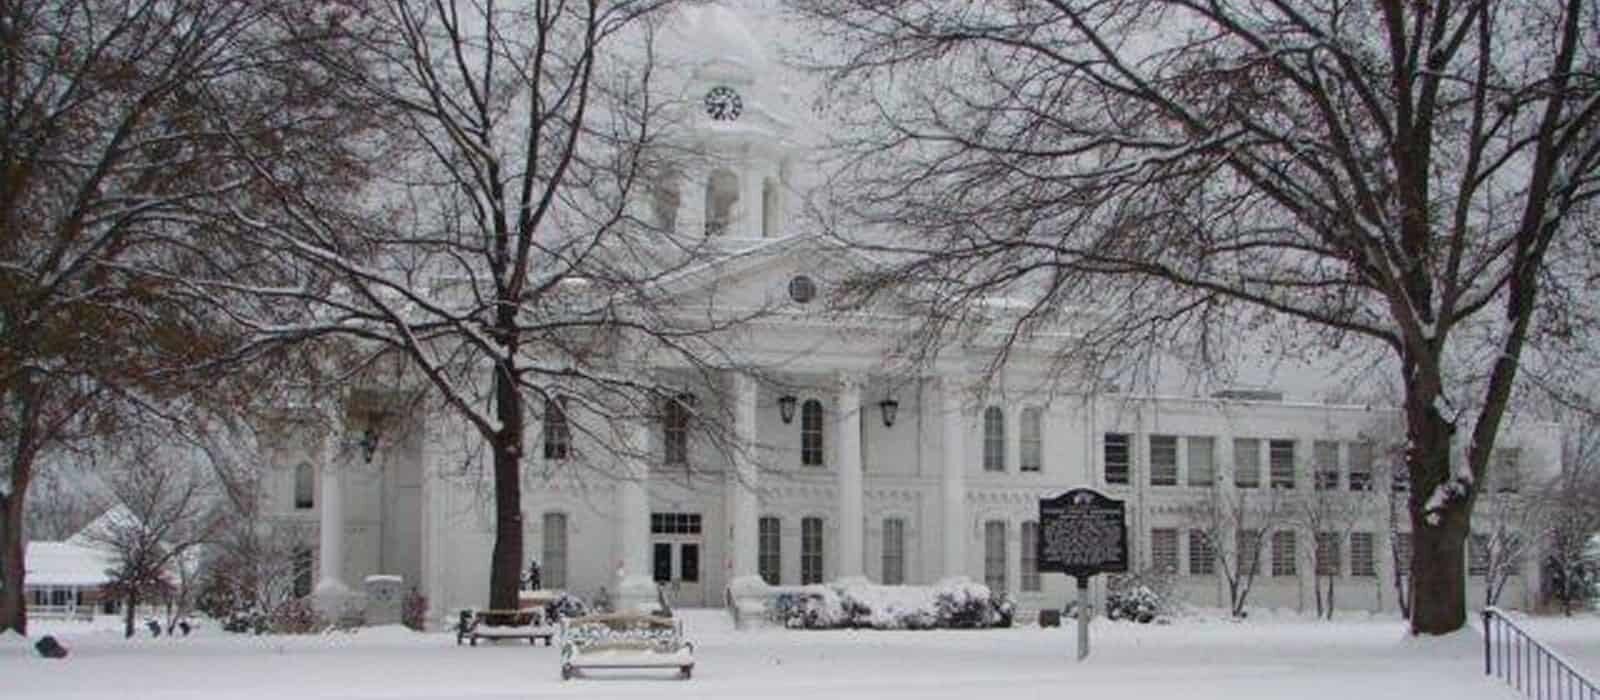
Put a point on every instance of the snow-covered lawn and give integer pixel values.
(1194, 658)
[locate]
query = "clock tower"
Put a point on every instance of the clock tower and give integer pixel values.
(734, 123)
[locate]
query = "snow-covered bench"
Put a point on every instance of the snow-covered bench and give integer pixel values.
(504, 624)
(624, 640)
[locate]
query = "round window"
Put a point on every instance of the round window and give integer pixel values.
(802, 289)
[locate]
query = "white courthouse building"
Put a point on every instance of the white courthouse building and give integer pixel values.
(850, 467)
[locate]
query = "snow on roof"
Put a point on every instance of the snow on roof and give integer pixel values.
(66, 564)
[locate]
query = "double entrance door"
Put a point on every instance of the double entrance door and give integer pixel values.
(675, 555)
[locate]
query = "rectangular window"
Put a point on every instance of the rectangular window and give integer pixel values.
(811, 433)
(689, 562)
(1247, 463)
(994, 439)
(1032, 439)
(1326, 454)
(769, 555)
(1328, 563)
(1030, 556)
(1163, 460)
(1478, 555)
(1202, 556)
(1118, 460)
(1402, 553)
(1280, 457)
(894, 552)
(1506, 468)
(810, 550)
(1283, 554)
(553, 574)
(1164, 550)
(1247, 558)
(304, 486)
(675, 523)
(1361, 458)
(1362, 560)
(994, 555)
(1202, 461)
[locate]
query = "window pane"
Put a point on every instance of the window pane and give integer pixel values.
(1326, 455)
(1163, 460)
(1361, 457)
(661, 561)
(1478, 555)
(1117, 458)
(1281, 461)
(1030, 556)
(810, 550)
(1164, 550)
(994, 439)
(1202, 556)
(1362, 561)
(302, 572)
(769, 556)
(1247, 463)
(1247, 556)
(1202, 461)
(1283, 553)
(1032, 439)
(1402, 551)
(553, 563)
(1328, 563)
(811, 433)
(689, 562)
(557, 434)
(675, 438)
(894, 552)
(994, 555)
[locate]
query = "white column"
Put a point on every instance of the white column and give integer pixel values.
(847, 459)
(636, 589)
(750, 202)
(331, 593)
(954, 479)
(746, 497)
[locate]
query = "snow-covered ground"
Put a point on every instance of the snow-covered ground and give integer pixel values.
(1194, 658)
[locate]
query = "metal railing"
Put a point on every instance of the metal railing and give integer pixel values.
(1512, 655)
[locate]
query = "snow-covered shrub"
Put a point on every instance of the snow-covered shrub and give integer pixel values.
(1140, 596)
(813, 607)
(967, 604)
(565, 605)
(297, 616)
(955, 604)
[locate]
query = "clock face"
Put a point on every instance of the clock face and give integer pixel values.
(723, 104)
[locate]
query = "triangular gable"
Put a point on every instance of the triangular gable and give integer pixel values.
(759, 277)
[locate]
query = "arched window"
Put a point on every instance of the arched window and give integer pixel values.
(665, 201)
(675, 436)
(553, 567)
(811, 433)
(994, 439)
(722, 195)
(769, 209)
(557, 433)
(305, 481)
(1032, 439)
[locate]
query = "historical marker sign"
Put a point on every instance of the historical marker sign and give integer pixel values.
(1082, 533)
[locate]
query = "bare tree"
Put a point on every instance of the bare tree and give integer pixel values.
(1330, 516)
(161, 510)
(1399, 178)
(1514, 527)
(1235, 524)
(1573, 500)
(116, 179)
(505, 268)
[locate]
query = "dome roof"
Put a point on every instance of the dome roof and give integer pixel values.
(711, 32)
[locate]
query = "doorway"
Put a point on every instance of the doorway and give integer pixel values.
(676, 545)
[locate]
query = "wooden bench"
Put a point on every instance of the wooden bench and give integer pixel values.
(624, 641)
(503, 624)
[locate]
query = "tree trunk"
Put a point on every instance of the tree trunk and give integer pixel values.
(128, 604)
(1438, 580)
(13, 607)
(505, 570)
